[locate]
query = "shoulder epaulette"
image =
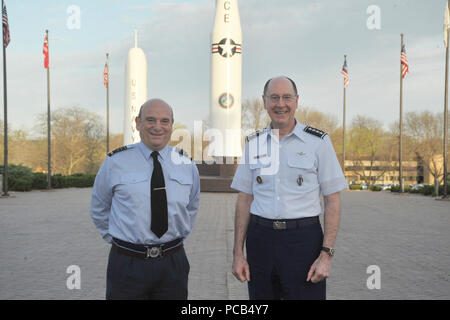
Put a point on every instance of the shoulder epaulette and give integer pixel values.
(319, 133)
(254, 135)
(119, 150)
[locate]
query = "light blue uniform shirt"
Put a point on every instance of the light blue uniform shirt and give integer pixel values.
(294, 172)
(120, 204)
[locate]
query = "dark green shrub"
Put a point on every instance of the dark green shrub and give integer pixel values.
(426, 190)
(22, 178)
(39, 181)
(375, 188)
(58, 181)
(355, 187)
(396, 188)
(19, 184)
(80, 180)
(19, 178)
(418, 190)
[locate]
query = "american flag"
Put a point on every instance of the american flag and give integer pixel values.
(105, 76)
(345, 73)
(6, 38)
(45, 52)
(404, 62)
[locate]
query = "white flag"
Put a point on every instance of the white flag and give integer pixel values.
(446, 23)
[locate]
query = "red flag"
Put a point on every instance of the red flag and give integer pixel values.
(105, 76)
(45, 51)
(6, 38)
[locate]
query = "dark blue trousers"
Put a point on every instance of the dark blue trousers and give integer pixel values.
(280, 260)
(164, 278)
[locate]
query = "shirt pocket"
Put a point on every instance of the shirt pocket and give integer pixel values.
(179, 187)
(134, 185)
(302, 162)
(305, 167)
(133, 177)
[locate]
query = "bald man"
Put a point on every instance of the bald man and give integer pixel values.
(144, 203)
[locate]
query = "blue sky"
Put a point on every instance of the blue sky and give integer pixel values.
(305, 40)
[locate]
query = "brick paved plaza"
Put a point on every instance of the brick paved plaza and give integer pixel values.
(406, 236)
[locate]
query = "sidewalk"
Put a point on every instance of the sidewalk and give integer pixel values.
(43, 233)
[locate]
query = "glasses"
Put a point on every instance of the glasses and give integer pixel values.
(288, 98)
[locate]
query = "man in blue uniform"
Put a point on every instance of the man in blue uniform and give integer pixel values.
(284, 170)
(144, 202)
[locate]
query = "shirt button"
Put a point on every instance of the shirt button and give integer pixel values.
(278, 198)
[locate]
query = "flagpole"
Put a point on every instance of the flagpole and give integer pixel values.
(400, 177)
(343, 130)
(5, 120)
(49, 171)
(107, 106)
(446, 117)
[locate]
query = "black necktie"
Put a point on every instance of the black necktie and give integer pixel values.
(159, 223)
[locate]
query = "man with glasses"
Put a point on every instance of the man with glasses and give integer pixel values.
(144, 202)
(284, 170)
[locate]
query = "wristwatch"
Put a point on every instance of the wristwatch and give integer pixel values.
(330, 251)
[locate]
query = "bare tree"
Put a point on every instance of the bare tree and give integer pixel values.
(254, 115)
(316, 119)
(425, 129)
(77, 139)
(328, 123)
(369, 149)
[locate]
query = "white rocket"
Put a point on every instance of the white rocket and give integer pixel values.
(226, 78)
(135, 91)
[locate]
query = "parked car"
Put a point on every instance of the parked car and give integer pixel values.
(417, 186)
(387, 186)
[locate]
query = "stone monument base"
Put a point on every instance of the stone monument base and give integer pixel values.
(217, 177)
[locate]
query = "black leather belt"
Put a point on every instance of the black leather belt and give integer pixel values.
(284, 224)
(147, 251)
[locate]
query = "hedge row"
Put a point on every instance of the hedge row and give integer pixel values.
(359, 187)
(22, 178)
(375, 188)
(425, 190)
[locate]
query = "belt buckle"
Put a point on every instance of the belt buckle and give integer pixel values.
(153, 252)
(279, 225)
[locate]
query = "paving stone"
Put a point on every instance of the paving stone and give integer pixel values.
(43, 233)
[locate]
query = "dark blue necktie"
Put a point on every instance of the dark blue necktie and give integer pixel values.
(159, 220)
